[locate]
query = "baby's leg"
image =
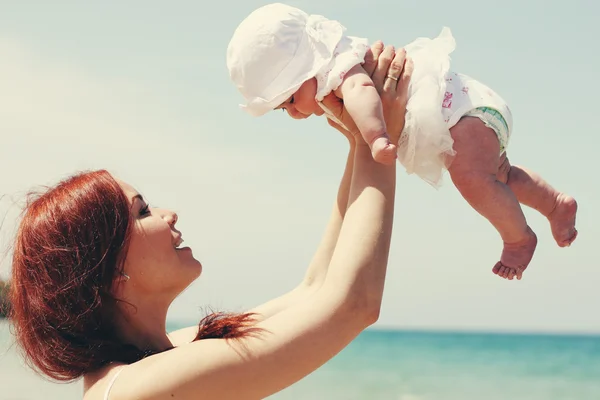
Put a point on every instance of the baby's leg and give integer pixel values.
(473, 171)
(535, 192)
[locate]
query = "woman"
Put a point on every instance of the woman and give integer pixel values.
(95, 270)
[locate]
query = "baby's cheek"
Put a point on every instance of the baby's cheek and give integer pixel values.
(301, 108)
(307, 105)
(293, 113)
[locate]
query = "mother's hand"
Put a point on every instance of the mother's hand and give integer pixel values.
(390, 72)
(391, 81)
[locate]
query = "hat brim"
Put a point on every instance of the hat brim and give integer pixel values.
(295, 69)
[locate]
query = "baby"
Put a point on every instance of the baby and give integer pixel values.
(282, 58)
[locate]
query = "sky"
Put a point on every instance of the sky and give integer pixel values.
(142, 89)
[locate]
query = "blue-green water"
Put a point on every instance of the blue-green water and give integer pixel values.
(400, 365)
(449, 366)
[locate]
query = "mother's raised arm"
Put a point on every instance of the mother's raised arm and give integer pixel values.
(378, 60)
(303, 336)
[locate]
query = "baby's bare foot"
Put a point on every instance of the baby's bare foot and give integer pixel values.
(562, 220)
(383, 151)
(516, 257)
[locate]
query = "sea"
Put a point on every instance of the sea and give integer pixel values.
(410, 365)
(400, 365)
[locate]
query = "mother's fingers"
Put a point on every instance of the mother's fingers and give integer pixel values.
(404, 81)
(399, 94)
(335, 125)
(394, 73)
(372, 56)
(383, 63)
(395, 97)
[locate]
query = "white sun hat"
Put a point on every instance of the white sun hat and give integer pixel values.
(276, 49)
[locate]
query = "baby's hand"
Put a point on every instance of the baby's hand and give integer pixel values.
(383, 150)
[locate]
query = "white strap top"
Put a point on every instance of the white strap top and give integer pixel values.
(112, 382)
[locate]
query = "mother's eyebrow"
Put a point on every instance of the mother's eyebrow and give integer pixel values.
(137, 196)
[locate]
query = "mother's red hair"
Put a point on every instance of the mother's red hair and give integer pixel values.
(70, 246)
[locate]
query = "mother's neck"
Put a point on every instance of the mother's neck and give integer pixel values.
(143, 323)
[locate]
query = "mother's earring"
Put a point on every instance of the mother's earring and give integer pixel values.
(126, 276)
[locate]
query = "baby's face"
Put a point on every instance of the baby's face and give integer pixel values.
(302, 104)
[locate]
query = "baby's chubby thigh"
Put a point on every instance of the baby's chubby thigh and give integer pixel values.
(476, 146)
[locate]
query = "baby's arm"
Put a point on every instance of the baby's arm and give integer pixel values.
(364, 106)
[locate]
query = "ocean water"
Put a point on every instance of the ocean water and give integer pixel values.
(395, 365)
(401, 365)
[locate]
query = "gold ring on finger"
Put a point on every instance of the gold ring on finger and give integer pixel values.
(393, 77)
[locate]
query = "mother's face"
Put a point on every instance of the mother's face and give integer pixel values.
(156, 263)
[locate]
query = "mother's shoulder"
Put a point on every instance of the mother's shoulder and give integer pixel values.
(183, 336)
(96, 383)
